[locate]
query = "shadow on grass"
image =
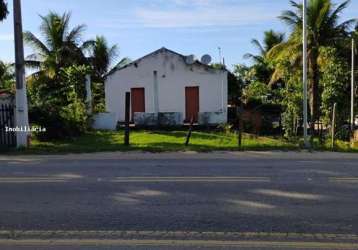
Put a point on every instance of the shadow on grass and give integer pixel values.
(197, 134)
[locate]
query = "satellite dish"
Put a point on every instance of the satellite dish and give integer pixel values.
(206, 59)
(190, 59)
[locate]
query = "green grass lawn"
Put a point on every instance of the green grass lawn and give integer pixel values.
(167, 141)
(158, 141)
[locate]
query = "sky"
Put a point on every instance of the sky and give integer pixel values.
(139, 27)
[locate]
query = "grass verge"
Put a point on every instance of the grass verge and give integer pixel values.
(169, 141)
(156, 141)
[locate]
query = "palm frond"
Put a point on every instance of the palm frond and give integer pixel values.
(290, 18)
(76, 33)
(113, 52)
(258, 45)
(340, 8)
(87, 44)
(254, 58)
(35, 42)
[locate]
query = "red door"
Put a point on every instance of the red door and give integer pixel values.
(192, 104)
(137, 100)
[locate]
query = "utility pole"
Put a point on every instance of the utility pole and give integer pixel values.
(352, 87)
(22, 120)
(305, 97)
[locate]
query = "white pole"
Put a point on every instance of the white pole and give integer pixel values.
(305, 97)
(352, 87)
(89, 94)
(222, 91)
(156, 92)
(22, 120)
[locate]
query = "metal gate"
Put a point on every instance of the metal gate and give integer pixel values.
(7, 122)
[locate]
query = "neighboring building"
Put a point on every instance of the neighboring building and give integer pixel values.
(168, 88)
(6, 98)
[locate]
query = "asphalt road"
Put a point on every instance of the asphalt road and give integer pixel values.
(224, 198)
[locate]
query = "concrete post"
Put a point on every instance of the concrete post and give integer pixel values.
(88, 94)
(156, 95)
(352, 88)
(305, 81)
(21, 116)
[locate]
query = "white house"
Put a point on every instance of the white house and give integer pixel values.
(168, 88)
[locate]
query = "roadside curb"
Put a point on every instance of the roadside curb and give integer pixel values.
(176, 235)
(219, 155)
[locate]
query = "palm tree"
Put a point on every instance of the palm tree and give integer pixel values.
(61, 46)
(324, 29)
(271, 39)
(101, 56)
(3, 10)
(261, 62)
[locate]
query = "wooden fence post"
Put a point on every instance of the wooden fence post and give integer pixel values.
(127, 118)
(188, 136)
(241, 124)
(333, 126)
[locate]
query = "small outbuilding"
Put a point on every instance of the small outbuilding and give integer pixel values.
(168, 88)
(6, 97)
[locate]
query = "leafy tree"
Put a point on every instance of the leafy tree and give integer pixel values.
(3, 10)
(335, 84)
(7, 76)
(243, 77)
(234, 84)
(292, 100)
(324, 29)
(256, 91)
(62, 110)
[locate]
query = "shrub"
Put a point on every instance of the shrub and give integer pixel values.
(59, 104)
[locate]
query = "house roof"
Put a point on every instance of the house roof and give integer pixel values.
(5, 92)
(163, 49)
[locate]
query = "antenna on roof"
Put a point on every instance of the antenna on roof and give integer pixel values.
(220, 55)
(206, 59)
(190, 59)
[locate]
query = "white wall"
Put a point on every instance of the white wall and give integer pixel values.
(104, 121)
(173, 76)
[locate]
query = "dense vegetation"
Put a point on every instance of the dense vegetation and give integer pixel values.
(277, 70)
(56, 89)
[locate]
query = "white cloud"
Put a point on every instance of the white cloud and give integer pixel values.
(202, 17)
(192, 14)
(196, 2)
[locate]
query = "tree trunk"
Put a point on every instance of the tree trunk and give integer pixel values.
(314, 90)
